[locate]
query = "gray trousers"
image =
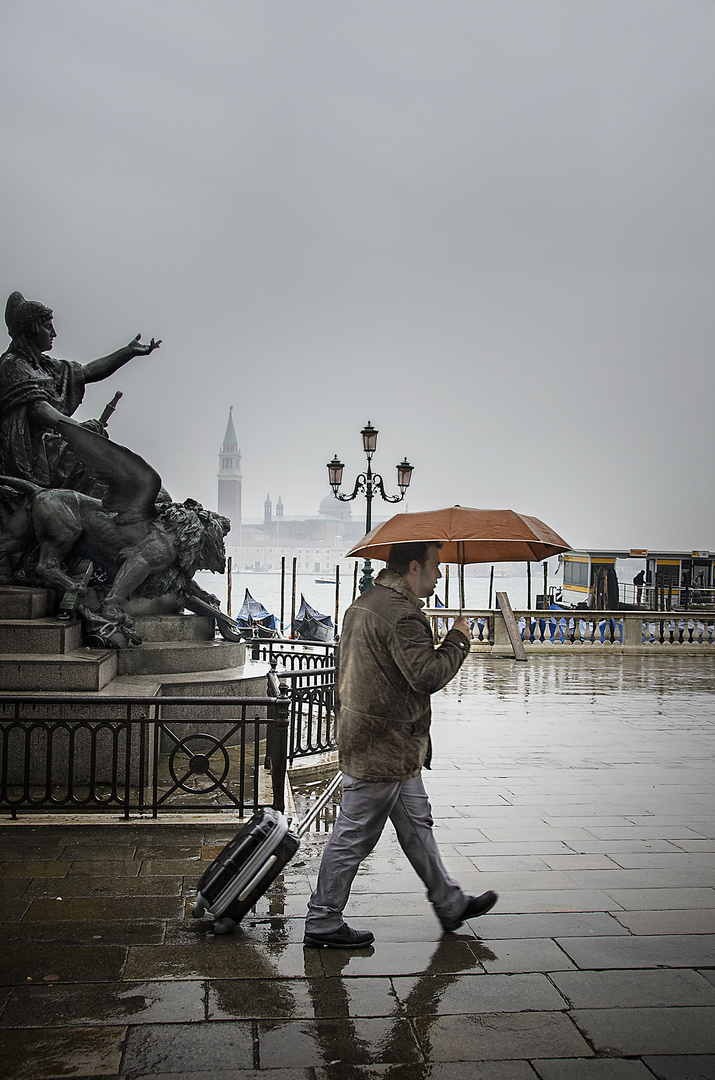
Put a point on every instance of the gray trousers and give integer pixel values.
(364, 811)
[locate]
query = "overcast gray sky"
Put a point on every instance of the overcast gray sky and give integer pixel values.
(484, 225)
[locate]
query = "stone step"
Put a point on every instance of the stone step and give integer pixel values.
(20, 603)
(85, 669)
(39, 636)
(173, 657)
(158, 628)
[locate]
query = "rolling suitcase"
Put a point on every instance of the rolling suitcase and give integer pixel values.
(241, 873)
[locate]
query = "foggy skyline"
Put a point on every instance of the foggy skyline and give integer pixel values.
(485, 227)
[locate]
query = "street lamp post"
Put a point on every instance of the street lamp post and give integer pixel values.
(370, 484)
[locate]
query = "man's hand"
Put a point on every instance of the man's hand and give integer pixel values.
(462, 624)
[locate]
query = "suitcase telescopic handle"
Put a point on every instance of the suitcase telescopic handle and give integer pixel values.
(320, 805)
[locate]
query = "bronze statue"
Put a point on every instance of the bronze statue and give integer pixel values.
(78, 512)
(37, 391)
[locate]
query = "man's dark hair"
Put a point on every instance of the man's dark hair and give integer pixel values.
(401, 555)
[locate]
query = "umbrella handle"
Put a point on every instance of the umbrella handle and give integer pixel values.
(460, 557)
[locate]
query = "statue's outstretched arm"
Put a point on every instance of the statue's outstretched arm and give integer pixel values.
(96, 370)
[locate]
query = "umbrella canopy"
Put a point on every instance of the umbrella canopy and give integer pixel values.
(467, 535)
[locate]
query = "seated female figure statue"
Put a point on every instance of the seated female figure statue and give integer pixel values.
(37, 390)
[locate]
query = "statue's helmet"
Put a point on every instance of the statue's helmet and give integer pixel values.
(21, 314)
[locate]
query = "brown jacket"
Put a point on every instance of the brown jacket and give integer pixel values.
(387, 669)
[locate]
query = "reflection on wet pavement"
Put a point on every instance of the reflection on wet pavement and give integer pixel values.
(580, 789)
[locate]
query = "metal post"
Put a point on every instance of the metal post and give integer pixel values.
(546, 584)
(491, 585)
(283, 591)
(366, 581)
(228, 586)
(446, 585)
(279, 746)
(528, 586)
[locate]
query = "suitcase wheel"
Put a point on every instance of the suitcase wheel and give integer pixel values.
(199, 907)
(224, 926)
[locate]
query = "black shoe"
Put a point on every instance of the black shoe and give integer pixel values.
(344, 938)
(478, 905)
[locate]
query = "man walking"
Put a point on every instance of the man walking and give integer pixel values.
(387, 670)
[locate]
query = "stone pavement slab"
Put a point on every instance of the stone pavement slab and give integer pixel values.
(591, 1069)
(629, 989)
(500, 1036)
(683, 1030)
(685, 1067)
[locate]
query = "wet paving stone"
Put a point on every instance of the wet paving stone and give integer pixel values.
(451, 955)
(13, 909)
(676, 1067)
(647, 923)
(175, 868)
(425, 928)
(500, 1036)
(35, 1054)
(628, 989)
(352, 1042)
(637, 1031)
(445, 995)
(89, 887)
(324, 998)
(83, 934)
(105, 868)
(646, 952)
(451, 1070)
(20, 965)
(104, 1004)
(591, 1069)
(529, 954)
(546, 900)
(222, 958)
(548, 925)
(84, 909)
(188, 1048)
(34, 869)
(13, 888)
(253, 930)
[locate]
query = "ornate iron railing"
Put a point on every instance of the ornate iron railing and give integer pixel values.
(62, 752)
(311, 692)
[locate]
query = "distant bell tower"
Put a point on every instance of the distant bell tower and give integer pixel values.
(229, 480)
(267, 510)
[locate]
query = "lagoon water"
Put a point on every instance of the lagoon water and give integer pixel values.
(266, 587)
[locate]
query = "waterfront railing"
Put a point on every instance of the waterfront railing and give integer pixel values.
(572, 629)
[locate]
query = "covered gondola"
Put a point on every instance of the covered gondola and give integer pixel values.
(254, 619)
(310, 625)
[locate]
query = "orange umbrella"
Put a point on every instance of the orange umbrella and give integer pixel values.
(467, 536)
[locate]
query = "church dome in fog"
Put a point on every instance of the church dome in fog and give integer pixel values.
(332, 507)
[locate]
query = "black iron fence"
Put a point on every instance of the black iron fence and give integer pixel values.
(128, 754)
(138, 755)
(311, 692)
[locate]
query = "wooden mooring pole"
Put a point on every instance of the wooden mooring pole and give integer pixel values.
(228, 586)
(283, 592)
(292, 606)
(337, 599)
